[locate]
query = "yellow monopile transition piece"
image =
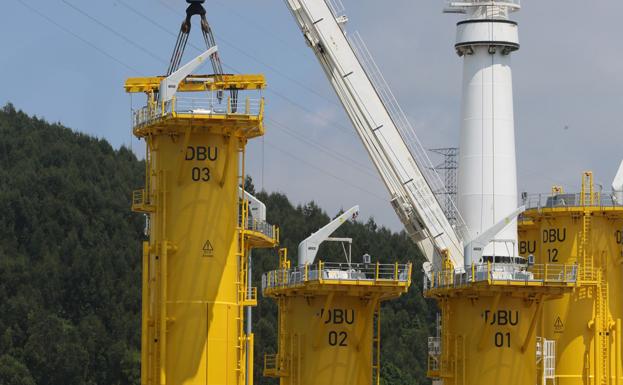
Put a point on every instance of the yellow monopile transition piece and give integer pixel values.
(200, 233)
(583, 229)
(329, 320)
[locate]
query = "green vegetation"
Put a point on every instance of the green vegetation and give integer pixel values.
(70, 264)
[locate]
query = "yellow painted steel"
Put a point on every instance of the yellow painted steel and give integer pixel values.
(488, 327)
(200, 234)
(196, 83)
(329, 324)
(585, 229)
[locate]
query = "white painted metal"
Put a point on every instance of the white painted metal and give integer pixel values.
(411, 195)
(475, 248)
(490, 7)
(617, 186)
(487, 176)
(256, 207)
(485, 32)
(546, 359)
(168, 86)
(308, 248)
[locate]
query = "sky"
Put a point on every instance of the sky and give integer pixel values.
(66, 61)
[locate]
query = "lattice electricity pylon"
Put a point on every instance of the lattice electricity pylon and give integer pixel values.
(449, 166)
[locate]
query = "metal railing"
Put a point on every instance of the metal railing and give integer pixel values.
(549, 200)
(210, 105)
(337, 7)
(260, 227)
(434, 354)
(271, 364)
(492, 273)
(252, 224)
(139, 197)
(249, 294)
(337, 272)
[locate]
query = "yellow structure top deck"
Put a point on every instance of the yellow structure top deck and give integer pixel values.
(491, 277)
(387, 280)
(230, 105)
(558, 202)
(198, 83)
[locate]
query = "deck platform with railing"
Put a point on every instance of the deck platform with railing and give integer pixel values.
(571, 201)
(141, 202)
(273, 366)
(326, 275)
(228, 103)
(258, 233)
(489, 275)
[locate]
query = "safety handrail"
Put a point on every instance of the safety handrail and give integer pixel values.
(337, 272)
(563, 200)
(211, 105)
(491, 272)
(256, 225)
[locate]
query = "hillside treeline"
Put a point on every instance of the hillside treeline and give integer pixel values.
(70, 264)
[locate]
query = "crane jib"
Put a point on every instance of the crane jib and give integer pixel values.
(383, 130)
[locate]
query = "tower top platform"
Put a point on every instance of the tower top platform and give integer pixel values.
(224, 104)
(483, 8)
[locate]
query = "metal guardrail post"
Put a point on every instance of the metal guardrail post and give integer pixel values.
(473, 273)
(396, 272)
(489, 275)
(306, 272)
(320, 272)
(545, 279)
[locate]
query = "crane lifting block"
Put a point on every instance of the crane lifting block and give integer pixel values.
(198, 83)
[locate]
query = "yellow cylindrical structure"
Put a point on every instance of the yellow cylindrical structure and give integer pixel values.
(329, 341)
(489, 338)
(585, 323)
(196, 278)
(329, 322)
(195, 282)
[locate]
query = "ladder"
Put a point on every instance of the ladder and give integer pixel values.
(459, 359)
(376, 345)
(241, 286)
(585, 252)
(602, 323)
(586, 255)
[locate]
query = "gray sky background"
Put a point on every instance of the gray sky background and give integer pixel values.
(68, 63)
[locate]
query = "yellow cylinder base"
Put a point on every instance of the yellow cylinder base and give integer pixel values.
(193, 312)
(584, 322)
(328, 341)
(488, 340)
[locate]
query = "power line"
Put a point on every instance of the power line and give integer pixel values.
(342, 127)
(323, 148)
(384, 199)
(90, 44)
(113, 31)
(134, 70)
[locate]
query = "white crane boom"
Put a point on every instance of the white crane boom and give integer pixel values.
(308, 248)
(379, 130)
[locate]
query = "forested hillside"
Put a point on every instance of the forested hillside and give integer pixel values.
(70, 271)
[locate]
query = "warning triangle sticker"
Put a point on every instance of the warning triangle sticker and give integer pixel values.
(558, 325)
(208, 250)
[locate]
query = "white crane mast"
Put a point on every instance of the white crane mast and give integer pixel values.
(381, 131)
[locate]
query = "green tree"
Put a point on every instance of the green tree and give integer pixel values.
(13, 372)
